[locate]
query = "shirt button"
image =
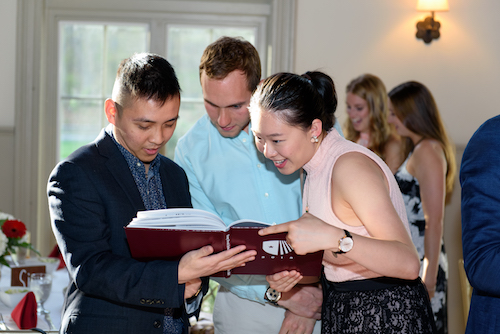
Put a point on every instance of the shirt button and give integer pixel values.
(266, 195)
(244, 140)
(157, 324)
(138, 164)
(259, 165)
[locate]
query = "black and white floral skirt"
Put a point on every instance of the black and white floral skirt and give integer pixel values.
(380, 305)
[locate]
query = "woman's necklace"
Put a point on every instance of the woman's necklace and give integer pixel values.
(364, 139)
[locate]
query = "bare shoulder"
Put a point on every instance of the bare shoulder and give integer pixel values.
(428, 155)
(355, 168)
(428, 149)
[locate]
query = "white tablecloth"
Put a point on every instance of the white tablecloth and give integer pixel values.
(53, 304)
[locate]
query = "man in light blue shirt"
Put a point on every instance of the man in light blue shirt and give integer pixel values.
(229, 177)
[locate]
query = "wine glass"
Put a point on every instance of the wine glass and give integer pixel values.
(41, 284)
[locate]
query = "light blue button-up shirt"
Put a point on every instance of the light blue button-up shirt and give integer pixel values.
(232, 179)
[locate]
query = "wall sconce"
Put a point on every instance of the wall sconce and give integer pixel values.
(429, 28)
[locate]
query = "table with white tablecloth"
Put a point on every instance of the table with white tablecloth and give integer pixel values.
(53, 304)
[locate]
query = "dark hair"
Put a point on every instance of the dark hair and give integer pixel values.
(298, 100)
(145, 76)
(415, 106)
(228, 54)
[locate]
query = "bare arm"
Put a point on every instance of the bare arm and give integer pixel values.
(296, 324)
(360, 195)
(428, 165)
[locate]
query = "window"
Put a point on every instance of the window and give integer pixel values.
(89, 54)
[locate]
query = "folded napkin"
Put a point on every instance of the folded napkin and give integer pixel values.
(24, 314)
(56, 252)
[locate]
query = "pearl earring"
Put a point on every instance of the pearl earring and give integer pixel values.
(314, 139)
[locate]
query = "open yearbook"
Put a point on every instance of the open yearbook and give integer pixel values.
(170, 233)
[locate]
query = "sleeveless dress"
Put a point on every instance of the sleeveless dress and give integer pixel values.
(355, 299)
(411, 194)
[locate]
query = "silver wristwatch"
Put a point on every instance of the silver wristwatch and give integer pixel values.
(272, 296)
(345, 243)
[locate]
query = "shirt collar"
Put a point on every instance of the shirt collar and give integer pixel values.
(132, 161)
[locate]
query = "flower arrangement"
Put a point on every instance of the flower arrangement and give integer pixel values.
(12, 236)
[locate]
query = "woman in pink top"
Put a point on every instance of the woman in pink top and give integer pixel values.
(354, 211)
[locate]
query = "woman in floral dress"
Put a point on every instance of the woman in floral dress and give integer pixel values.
(426, 180)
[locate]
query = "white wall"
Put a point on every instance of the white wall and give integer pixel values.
(348, 38)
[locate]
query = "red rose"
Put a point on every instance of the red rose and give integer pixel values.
(14, 228)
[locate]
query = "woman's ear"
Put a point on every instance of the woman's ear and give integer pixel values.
(316, 128)
(110, 110)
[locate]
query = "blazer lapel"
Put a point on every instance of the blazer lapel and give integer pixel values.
(117, 166)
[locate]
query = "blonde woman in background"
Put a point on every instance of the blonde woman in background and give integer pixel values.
(426, 180)
(367, 124)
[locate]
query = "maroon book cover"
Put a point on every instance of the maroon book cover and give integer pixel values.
(168, 239)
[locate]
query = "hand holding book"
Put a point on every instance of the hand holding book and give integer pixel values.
(202, 262)
(171, 233)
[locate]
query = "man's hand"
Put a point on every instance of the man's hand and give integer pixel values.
(200, 262)
(284, 281)
(192, 288)
(295, 324)
(303, 300)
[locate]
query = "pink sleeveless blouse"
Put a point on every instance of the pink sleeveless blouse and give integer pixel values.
(317, 196)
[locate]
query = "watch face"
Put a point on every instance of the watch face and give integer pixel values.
(273, 295)
(346, 244)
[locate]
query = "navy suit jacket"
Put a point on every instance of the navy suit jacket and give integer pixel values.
(92, 196)
(480, 180)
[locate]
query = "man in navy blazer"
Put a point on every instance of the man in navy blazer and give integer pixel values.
(480, 180)
(97, 191)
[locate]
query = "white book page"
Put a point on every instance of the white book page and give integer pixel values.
(172, 213)
(182, 219)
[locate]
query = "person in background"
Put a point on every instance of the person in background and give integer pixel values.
(367, 124)
(229, 177)
(98, 190)
(426, 180)
(353, 210)
(480, 181)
